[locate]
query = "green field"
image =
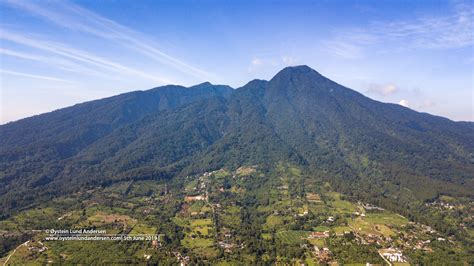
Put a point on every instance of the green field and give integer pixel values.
(321, 228)
(320, 243)
(143, 229)
(343, 206)
(221, 173)
(386, 218)
(273, 221)
(341, 229)
(291, 237)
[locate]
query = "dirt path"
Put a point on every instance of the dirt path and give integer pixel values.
(8, 258)
(389, 263)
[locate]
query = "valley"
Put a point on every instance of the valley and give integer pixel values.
(224, 217)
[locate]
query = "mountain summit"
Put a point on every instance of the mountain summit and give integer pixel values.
(386, 151)
(295, 70)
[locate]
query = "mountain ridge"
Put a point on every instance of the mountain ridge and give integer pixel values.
(299, 116)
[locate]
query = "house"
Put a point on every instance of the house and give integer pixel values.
(370, 207)
(319, 234)
(343, 233)
(195, 198)
(324, 255)
(392, 254)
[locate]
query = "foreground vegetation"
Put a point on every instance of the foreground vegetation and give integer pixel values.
(245, 215)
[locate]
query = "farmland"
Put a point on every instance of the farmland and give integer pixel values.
(223, 217)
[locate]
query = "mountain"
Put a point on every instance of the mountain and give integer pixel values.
(382, 153)
(34, 151)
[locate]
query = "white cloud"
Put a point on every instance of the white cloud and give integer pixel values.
(289, 60)
(21, 74)
(255, 64)
(75, 17)
(404, 102)
(59, 63)
(78, 55)
(343, 49)
(382, 90)
(453, 30)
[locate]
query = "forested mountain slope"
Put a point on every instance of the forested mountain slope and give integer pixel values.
(37, 150)
(380, 152)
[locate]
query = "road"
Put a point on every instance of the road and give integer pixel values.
(11, 254)
(389, 263)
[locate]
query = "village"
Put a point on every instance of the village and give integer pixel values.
(367, 224)
(308, 223)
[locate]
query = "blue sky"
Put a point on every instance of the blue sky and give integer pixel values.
(57, 53)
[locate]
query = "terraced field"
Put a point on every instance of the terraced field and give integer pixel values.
(292, 237)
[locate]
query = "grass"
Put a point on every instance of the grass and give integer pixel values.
(93, 252)
(30, 218)
(234, 210)
(344, 206)
(201, 222)
(227, 263)
(310, 261)
(294, 171)
(470, 232)
(366, 227)
(191, 185)
(320, 243)
(197, 242)
(266, 208)
(342, 229)
(144, 188)
(202, 226)
(180, 221)
(273, 221)
(221, 173)
(266, 236)
(384, 230)
(291, 237)
(119, 188)
(321, 228)
(143, 229)
(386, 218)
(197, 238)
(446, 198)
(320, 208)
(8, 225)
(196, 206)
(21, 256)
(207, 252)
(361, 226)
(229, 218)
(96, 208)
(102, 218)
(245, 171)
(203, 230)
